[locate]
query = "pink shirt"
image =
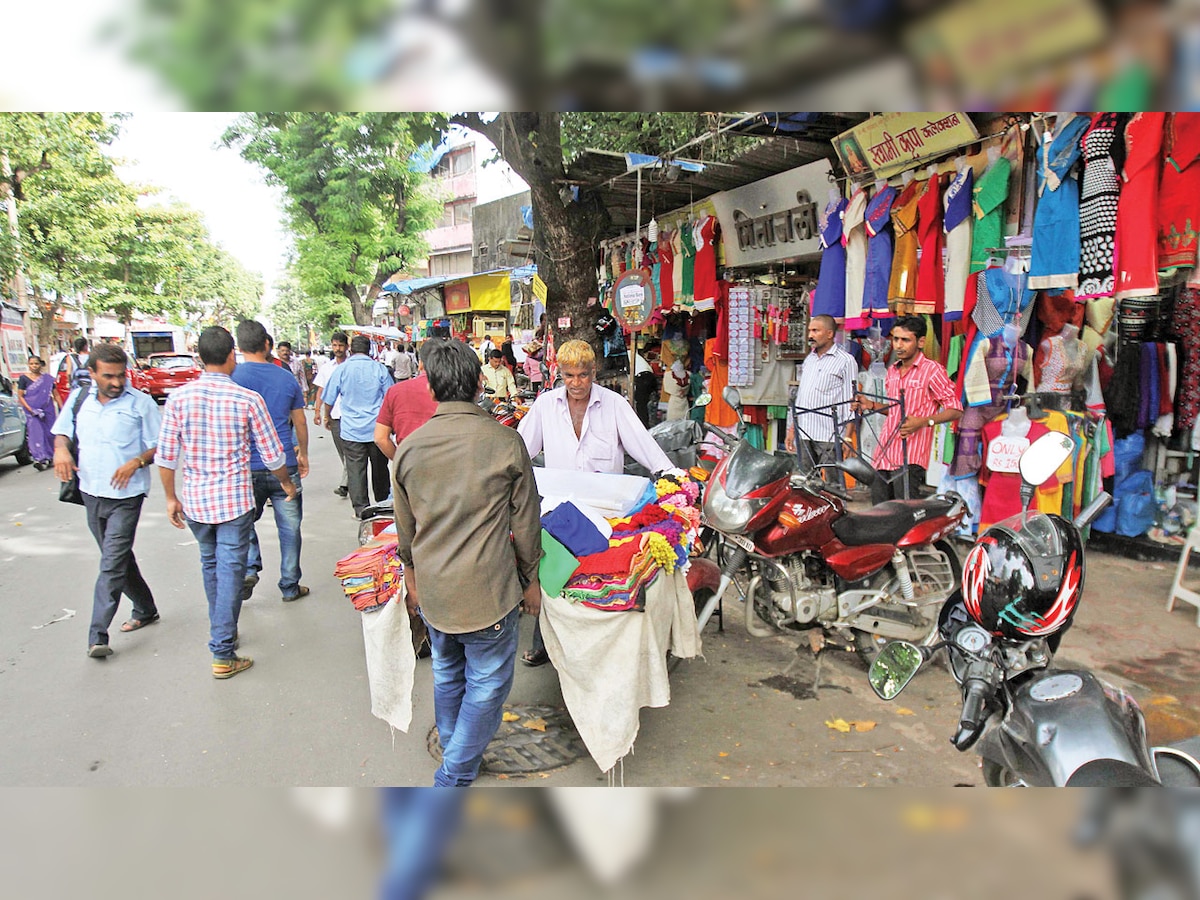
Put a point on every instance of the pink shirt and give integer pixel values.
(927, 390)
(610, 430)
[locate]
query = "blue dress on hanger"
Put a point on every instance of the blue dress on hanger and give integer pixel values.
(1055, 259)
(830, 296)
(879, 253)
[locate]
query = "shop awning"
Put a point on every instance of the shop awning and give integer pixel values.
(524, 274)
(373, 330)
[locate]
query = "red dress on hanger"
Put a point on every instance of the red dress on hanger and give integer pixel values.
(666, 272)
(1002, 490)
(1137, 209)
(1179, 193)
(705, 283)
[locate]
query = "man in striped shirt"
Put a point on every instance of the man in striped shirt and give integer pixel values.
(828, 376)
(929, 399)
(211, 422)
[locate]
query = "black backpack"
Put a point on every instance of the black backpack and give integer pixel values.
(81, 375)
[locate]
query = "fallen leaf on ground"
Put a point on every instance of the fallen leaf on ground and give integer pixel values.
(511, 717)
(863, 726)
(905, 711)
(538, 724)
(838, 725)
(722, 753)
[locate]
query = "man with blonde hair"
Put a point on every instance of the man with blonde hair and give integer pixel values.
(586, 428)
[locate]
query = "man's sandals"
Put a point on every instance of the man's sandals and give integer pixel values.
(135, 624)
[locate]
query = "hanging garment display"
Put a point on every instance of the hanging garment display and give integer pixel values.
(686, 297)
(742, 345)
(718, 412)
(666, 267)
(1179, 193)
(1002, 295)
(830, 296)
(999, 476)
(1002, 365)
(1055, 252)
(931, 276)
(677, 261)
(1103, 158)
(1060, 361)
(1137, 208)
(990, 192)
(958, 223)
(854, 238)
(705, 278)
(879, 253)
(902, 286)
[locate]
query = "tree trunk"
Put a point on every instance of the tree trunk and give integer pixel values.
(48, 308)
(357, 309)
(565, 235)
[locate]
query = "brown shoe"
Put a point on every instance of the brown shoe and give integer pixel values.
(227, 668)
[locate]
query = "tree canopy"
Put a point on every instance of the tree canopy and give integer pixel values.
(356, 207)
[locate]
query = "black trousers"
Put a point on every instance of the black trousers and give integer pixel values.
(113, 524)
(360, 456)
(645, 400)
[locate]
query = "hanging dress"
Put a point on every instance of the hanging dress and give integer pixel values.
(666, 277)
(1103, 155)
(705, 278)
(902, 286)
(958, 222)
(687, 297)
(829, 299)
(1179, 193)
(879, 253)
(1137, 208)
(854, 238)
(931, 277)
(1054, 259)
(677, 255)
(991, 190)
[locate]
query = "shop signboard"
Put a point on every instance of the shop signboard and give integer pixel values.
(633, 298)
(12, 341)
(539, 288)
(774, 219)
(889, 143)
(458, 297)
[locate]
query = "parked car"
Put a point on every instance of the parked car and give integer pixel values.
(12, 425)
(167, 371)
(58, 367)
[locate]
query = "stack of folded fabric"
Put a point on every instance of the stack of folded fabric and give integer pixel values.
(370, 576)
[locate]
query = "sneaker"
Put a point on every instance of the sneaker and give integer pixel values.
(99, 651)
(342, 492)
(227, 668)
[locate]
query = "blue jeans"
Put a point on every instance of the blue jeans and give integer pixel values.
(113, 524)
(288, 514)
(472, 675)
(419, 824)
(223, 548)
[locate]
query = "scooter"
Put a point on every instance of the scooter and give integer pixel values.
(1032, 724)
(867, 576)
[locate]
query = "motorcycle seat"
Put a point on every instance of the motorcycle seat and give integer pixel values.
(887, 522)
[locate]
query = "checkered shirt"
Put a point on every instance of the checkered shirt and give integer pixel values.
(211, 422)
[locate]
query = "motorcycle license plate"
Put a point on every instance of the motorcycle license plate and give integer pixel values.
(742, 541)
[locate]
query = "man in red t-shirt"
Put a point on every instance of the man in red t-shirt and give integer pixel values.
(407, 406)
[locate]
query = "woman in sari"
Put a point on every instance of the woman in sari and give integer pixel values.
(35, 393)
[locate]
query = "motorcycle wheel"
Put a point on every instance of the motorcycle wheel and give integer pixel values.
(868, 645)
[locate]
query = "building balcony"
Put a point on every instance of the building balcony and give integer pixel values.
(449, 237)
(457, 187)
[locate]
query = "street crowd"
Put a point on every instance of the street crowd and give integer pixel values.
(408, 431)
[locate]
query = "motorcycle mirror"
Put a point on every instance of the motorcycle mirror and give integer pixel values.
(703, 400)
(894, 668)
(858, 470)
(1042, 458)
(733, 397)
(489, 391)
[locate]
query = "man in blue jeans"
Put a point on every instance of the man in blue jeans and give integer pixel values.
(469, 536)
(210, 424)
(285, 402)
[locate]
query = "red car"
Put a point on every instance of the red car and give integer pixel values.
(167, 371)
(59, 364)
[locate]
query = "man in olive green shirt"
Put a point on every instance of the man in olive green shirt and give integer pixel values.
(468, 531)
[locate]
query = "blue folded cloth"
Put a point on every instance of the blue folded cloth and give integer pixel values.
(574, 530)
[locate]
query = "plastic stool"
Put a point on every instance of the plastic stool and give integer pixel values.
(1178, 592)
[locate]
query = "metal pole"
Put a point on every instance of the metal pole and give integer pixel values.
(904, 443)
(637, 259)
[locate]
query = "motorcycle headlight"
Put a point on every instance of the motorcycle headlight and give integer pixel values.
(726, 514)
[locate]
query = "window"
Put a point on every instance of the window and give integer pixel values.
(463, 161)
(463, 212)
(447, 216)
(450, 264)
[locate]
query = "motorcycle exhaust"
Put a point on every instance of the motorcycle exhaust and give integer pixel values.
(754, 627)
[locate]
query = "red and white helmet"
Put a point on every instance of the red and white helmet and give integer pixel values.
(1024, 577)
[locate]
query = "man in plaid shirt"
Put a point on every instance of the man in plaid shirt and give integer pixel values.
(212, 422)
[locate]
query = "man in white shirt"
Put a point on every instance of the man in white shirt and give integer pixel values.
(340, 342)
(587, 428)
(829, 376)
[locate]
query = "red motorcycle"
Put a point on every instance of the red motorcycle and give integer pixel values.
(868, 577)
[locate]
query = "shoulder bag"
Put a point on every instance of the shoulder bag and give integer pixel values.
(68, 491)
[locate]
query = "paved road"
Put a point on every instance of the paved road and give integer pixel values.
(152, 714)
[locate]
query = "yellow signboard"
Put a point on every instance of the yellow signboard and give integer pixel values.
(891, 143)
(539, 288)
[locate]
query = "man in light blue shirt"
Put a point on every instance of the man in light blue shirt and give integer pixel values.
(360, 382)
(117, 434)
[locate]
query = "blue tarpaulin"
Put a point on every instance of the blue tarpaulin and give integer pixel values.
(411, 285)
